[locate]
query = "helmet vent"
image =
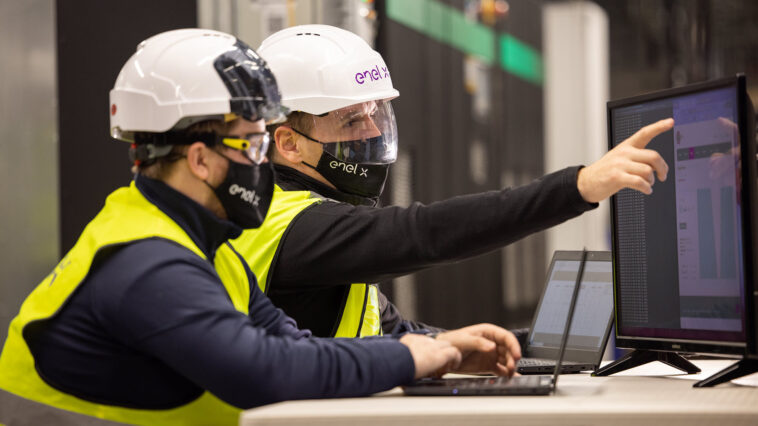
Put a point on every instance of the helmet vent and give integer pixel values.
(308, 34)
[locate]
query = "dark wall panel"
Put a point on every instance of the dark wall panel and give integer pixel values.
(437, 126)
(94, 39)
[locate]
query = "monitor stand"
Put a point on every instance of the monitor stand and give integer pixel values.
(741, 368)
(641, 356)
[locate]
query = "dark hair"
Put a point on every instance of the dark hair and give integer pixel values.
(158, 168)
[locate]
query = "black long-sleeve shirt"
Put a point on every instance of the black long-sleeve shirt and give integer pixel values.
(152, 327)
(332, 244)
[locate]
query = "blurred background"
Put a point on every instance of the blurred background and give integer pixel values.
(494, 93)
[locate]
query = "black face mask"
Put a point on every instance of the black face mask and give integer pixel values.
(365, 180)
(246, 193)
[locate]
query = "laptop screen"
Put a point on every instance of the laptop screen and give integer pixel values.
(594, 306)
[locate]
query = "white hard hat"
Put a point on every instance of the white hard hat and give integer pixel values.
(320, 68)
(180, 77)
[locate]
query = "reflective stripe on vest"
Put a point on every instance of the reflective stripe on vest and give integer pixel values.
(127, 217)
(359, 316)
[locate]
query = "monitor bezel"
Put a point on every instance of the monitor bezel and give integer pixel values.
(744, 108)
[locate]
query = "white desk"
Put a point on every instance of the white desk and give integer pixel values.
(651, 394)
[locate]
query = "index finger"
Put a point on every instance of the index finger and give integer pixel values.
(506, 340)
(647, 133)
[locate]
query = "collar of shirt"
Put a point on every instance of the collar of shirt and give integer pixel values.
(206, 229)
(292, 180)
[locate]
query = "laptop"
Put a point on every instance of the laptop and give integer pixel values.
(520, 385)
(591, 325)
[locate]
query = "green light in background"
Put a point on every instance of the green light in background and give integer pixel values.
(409, 13)
(520, 59)
(449, 26)
(446, 25)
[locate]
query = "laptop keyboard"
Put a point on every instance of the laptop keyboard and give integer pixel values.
(540, 362)
(534, 362)
(500, 382)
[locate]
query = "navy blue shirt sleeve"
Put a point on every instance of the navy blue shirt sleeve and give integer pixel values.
(268, 316)
(165, 301)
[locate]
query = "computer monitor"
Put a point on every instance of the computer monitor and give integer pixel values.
(683, 257)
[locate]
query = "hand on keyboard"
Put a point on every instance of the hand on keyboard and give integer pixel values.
(485, 348)
(430, 356)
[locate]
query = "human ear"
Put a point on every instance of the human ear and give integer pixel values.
(198, 160)
(286, 144)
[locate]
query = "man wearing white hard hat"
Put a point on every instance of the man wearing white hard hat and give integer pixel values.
(152, 317)
(338, 143)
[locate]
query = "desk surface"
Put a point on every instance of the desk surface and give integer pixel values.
(652, 394)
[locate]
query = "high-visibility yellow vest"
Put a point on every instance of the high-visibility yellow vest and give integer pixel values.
(359, 317)
(127, 217)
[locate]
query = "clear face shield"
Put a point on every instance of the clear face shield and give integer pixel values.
(364, 133)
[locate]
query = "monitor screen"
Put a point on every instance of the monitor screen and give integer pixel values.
(679, 252)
